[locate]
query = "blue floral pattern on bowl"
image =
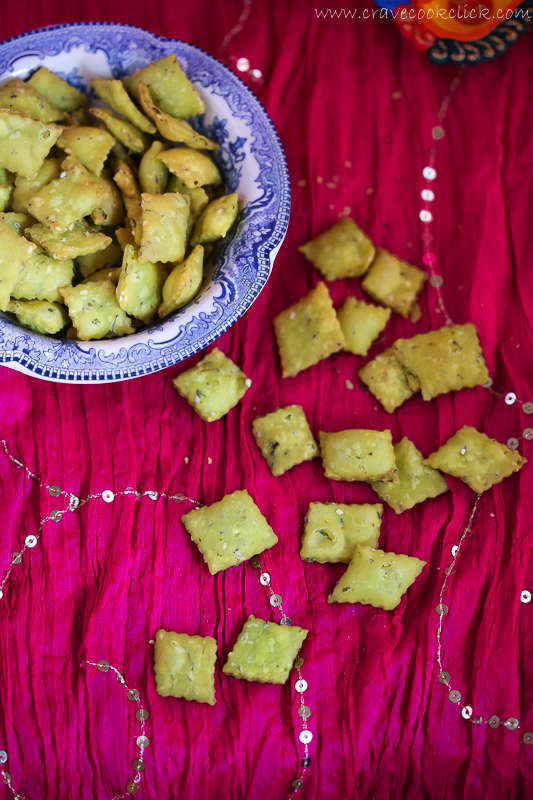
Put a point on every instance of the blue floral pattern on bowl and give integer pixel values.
(253, 163)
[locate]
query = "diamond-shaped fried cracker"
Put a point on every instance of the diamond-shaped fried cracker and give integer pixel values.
(230, 531)
(140, 285)
(153, 174)
(57, 91)
(23, 98)
(358, 455)
(192, 167)
(131, 195)
(169, 87)
(333, 530)
(442, 361)
(94, 311)
(307, 332)
(115, 95)
(17, 222)
(417, 481)
(477, 460)
(107, 274)
(393, 282)
(5, 197)
(387, 380)
(91, 146)
(264, 651)
(185, 666)
(15, 252)
(69, 198)
(25, 143)
(164, 227)
(216, 219)
(183, 282)
(127, 134)
(110, 210)
(375, 578)
(79, 241)
(39, 315)
(285, 439)
(198, 197)
(173, 128)
(103, 259)
(26, 188)
(213, 386)
(361, 323)
(343, 251)
(42, 277)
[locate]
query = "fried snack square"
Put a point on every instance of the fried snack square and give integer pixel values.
(361, 324)
(57, 91)
(358, 455)
(184, 666)
(393, 282)
(103, 259)
(107, 274)
(183, 282)
(169, 87)
(342, 251)
(127, 134)
(140, 285)
(42, 277)
(264, 651)
(15, 95)
(193, 168)
(198, 197)
(94, 311)
(216, 219)
(164, 227)
(17, 222)
(418, 482)
(5, 196)
(115, 95)
(284, 438)
(333, 530)
(81, 240)
(375, 578)
(213, 386)
(15, 252)
(25, 188)
(110, 210)
(39, 315)
(25, 143)
(126, 182)
(173, 128)
(307, 332)
(153, 174)
(477, 460)
(443, 361)
(91, 146)
(69, 198)
(387, 380)
(230, 531)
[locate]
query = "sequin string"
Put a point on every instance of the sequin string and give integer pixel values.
(242, 64)
(493, 721)
(109, 496)
(305, 736)
(142, 741)
(429, 173)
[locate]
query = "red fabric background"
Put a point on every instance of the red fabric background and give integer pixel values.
(103, 580)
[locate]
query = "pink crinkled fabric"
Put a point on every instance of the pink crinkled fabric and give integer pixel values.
(354, 104)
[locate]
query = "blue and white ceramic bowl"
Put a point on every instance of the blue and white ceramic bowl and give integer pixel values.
(253, 163)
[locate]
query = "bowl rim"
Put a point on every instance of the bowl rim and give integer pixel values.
(19, 361)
